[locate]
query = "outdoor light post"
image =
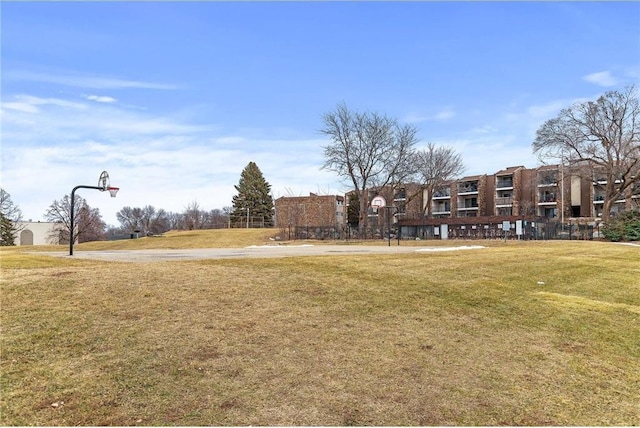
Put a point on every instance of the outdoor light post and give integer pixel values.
(104, 180)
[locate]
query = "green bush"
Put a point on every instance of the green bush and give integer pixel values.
(623, 227)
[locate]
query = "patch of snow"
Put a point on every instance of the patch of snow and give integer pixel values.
(464, 247)
(279, 246)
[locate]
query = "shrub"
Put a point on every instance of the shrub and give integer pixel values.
(623, 227)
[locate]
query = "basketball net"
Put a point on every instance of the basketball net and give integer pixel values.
(113, 191)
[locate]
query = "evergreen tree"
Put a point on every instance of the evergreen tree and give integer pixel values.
(253, 205)
(353, 210)
(10, 217)
(7, 237)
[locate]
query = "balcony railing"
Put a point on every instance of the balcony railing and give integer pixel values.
(442, 193)
(548, 181)
(547, 198)
(442, 208)
(468, 206)
(501, 184)
(504, 201)
(468, 189)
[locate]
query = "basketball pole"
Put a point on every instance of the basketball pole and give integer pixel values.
(72, 213)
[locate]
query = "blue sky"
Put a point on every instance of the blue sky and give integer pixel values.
(174, 99)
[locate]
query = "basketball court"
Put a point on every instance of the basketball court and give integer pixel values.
(265, 251)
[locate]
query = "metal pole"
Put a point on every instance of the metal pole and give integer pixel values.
(72, 213)
(389, 225)
(562, 193)
(73, 192)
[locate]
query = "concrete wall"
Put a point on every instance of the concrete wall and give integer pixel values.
(36, 233)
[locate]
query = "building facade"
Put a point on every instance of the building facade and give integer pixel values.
(480, 205)
(313, 216)
(531, 200)
(36, 233)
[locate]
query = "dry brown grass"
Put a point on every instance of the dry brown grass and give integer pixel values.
(211, 238)
(466, 338)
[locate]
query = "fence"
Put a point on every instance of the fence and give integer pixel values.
(252, 222)
(536, 229)
(332, 233)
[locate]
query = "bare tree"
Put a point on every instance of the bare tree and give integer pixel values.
(130, 219)
(601, 137)
(10, 217)
(193, 216)
(217, 219)
(175, 221)
(368, 149)
(145, 220)
(434, 167)
(87, 221)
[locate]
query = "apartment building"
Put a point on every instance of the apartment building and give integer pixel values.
(312, 210)
(477, 205)
(517, 193)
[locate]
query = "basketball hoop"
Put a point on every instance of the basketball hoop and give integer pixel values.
(113, 191)
(103, 181)
(103, 184)
(378, 202)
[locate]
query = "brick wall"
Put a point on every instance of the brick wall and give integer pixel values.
(312, 210)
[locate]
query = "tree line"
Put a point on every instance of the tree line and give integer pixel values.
(89, 226)
(252, 207)
(369, 150)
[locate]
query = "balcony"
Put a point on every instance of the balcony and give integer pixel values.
(466, 188)
(441, 208)
(504, 183)
(548, 181)
(548, 199)
(504, 201)
(441, 213)
(603, 180)
(468, 205)
(400, 195)
(442, 194)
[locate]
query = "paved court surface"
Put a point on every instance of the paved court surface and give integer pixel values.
(266, 251)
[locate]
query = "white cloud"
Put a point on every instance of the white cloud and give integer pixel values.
(85, 80)
(166, 161)
(59, 102)
(602, 78)
(100, 99)
(21, 106)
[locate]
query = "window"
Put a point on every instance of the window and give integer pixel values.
(505, 211)
(471, 202)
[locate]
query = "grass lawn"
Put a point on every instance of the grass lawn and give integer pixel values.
(518, 333)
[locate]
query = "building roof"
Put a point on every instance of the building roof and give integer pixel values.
(509, 170)
(548, 167)
(470, 178)
(311, 195)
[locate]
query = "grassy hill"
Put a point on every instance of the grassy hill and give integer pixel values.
(520, 333)
(210, 238)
